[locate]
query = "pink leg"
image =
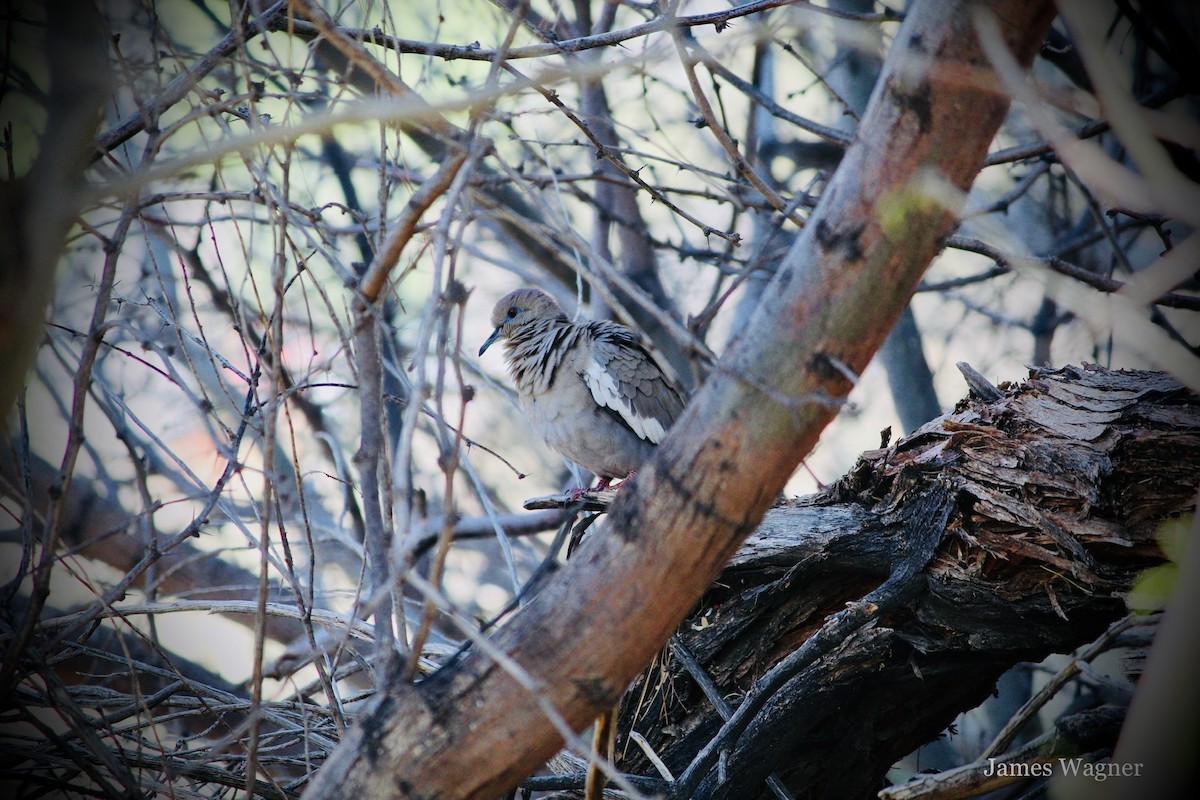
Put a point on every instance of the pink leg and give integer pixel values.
(580, 491)
(604, 484)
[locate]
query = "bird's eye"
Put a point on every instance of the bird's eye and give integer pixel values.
(513, 311)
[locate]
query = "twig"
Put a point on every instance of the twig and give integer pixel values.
(331, 619)
(1057, 264)
(832, 135)
(83, 380)
(583, 501)
(383, 77)
(652, 756)
(552, 96)
(978, 384)
(1103, 175)
(700, 676)
(450, 52)
(368, 457)
(743, 167)
(178, 88)
(1061, 678)
(373, 281)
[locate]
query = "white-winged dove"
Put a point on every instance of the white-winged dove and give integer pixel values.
(590, 389)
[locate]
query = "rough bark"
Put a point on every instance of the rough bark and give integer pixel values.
(853, 74)
(474, 730)
(1019, 523)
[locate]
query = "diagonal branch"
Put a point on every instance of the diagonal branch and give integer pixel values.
(183, 83)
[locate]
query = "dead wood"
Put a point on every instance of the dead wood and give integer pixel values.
(1002, 532)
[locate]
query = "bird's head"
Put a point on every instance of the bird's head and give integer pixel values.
(519, 308)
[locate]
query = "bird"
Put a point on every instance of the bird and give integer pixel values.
(590, 389)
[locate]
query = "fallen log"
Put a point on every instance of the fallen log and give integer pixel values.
(854, 625)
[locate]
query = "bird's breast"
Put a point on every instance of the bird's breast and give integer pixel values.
(570, 421)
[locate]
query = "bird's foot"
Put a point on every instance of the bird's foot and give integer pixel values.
(602, 485)
(624, 481)
(578, 492)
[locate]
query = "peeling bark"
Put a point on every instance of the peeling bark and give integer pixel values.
(1030, 515)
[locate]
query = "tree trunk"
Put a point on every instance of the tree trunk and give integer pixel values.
(853, 74)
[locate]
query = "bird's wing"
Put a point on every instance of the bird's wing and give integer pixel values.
(624, 378)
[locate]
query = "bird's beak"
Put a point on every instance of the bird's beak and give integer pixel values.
(495, 335)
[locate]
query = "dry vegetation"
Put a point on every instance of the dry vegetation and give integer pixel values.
(253, 471)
